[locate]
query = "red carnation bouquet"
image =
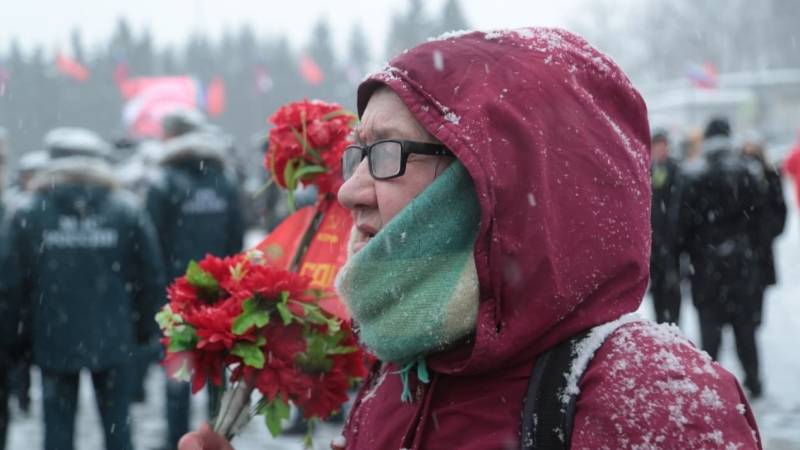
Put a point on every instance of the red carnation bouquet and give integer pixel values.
(306, 145)
(262, 327)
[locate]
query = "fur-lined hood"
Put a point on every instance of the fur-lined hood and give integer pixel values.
(75, 170)
(199, 145)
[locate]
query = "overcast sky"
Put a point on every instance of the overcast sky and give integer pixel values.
(48, 23)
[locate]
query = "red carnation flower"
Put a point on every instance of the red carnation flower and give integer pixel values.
(308, 133)
(269, 282)
(182, 296)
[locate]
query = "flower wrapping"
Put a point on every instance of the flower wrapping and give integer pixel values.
(264, 327)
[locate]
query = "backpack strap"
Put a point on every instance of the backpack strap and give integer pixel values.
(548, 411)
(546, 420)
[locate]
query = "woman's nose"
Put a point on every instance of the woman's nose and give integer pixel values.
(359, 189)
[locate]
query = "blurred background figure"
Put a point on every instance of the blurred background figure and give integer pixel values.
(28, 166)
(718, 201)
(195, 207)
(692, 146)
(85, 262)
(766, 222)
(665, 280)
(11, 345)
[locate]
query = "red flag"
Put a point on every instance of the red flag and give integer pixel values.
(310, 71)
(326, 252)
(71, 68)
(215, 97)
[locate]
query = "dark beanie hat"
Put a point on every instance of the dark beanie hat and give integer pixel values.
(718, 126)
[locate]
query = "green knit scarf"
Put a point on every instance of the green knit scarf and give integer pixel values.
(413, 289)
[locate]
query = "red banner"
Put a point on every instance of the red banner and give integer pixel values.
(150, 98)
(327, 247)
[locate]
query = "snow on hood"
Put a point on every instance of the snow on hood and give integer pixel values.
(556, 140)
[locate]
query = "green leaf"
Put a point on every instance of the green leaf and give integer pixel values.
(284, 312)
(274, 412)
(167, 320)
(183, 338)
(341, 350)
(262, 189)
(309, 170)
(289, 176)
(199, 278)
(313, 314)
(250, 353)
(315, 358)
(253, 315)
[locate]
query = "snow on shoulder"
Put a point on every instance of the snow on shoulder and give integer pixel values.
(647, 386)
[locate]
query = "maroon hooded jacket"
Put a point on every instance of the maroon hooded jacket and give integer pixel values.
(556, 141)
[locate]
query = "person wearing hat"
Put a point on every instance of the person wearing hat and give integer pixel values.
(83, 259)
(719, 203)
(501, 207)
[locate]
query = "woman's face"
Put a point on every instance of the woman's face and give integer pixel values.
(372, 202)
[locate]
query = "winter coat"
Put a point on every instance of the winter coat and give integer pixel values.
(768, 223)
(555, 139)
(664, 262)
(10, 317)
(195, 204)
(719, 204)
(84, 259)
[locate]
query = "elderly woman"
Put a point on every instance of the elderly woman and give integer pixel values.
(501, 199)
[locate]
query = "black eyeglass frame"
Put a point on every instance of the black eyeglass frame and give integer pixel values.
(406, 148)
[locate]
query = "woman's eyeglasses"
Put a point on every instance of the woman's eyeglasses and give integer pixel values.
(387, 158)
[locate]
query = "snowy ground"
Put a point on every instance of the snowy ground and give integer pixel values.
(778, 412)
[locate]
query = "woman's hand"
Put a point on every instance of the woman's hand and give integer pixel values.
(203, 439)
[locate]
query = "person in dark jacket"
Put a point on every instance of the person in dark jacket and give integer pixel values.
(13, 346)
(195, 207)
(29, 164)
(768, 222)
(85, 260)
(721, 196)
(665, 286)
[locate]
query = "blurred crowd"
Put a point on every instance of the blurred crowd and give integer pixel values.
(92, 234)
(717, 209)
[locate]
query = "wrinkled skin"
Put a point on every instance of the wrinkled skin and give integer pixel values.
(373, 203)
